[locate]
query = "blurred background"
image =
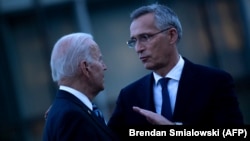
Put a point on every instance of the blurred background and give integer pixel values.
(215, 33)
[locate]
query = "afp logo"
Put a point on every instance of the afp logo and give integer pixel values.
(234, 133)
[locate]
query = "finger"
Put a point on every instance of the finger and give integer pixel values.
(135, 108)
(142, 111)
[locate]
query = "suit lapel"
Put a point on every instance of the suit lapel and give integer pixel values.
(99, 123)
(185, 88)
(87, 111)
(146, 94)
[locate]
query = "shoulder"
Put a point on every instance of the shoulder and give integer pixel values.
(204, 71)
(141, 82)
(138, 86)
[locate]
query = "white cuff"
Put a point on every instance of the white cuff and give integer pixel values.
(178, 123)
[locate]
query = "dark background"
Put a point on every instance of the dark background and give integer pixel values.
(215, 33)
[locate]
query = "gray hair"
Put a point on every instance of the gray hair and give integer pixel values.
(164, 17)
(68, 52)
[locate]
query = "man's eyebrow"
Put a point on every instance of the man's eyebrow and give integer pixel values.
(140, 35)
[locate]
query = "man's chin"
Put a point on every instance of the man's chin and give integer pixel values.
(147, 66)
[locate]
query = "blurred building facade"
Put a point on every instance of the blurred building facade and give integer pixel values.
(215, 33)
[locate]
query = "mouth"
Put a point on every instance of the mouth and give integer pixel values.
(143, 59)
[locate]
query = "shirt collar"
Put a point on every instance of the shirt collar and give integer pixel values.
(82, 97)
(174, 73)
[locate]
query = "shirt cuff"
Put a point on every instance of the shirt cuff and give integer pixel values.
(178, 123)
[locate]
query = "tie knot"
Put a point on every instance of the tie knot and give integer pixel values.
(164, 81)
(94, 107)
(96, 110)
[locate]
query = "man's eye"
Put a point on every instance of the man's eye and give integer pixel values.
(133, 39)
(144, 37)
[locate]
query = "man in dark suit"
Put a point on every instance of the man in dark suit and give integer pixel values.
(198, 95)
(78, 68)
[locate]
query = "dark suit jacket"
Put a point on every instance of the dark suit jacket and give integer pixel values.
(71, 120)
(205, 96)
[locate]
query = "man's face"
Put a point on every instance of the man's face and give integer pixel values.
(97, 68)
(157, 50)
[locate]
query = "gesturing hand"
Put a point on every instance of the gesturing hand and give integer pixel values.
(153, 118)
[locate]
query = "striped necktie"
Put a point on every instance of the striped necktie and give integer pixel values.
(98, 113)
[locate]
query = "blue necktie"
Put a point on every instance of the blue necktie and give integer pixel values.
(166, 107)
(98, 113)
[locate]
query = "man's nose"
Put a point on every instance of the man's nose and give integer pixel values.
(139, 47)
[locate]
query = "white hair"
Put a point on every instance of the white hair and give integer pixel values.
(68, 52)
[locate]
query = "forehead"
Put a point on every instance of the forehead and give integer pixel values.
(95, 50)
(142, 24)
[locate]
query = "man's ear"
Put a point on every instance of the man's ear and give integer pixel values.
(173, 35)
(84, 68)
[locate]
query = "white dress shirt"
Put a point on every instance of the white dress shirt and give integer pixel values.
(175, 75)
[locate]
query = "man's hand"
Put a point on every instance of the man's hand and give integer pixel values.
(152, 117)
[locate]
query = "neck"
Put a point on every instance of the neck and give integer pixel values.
(169, 65)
